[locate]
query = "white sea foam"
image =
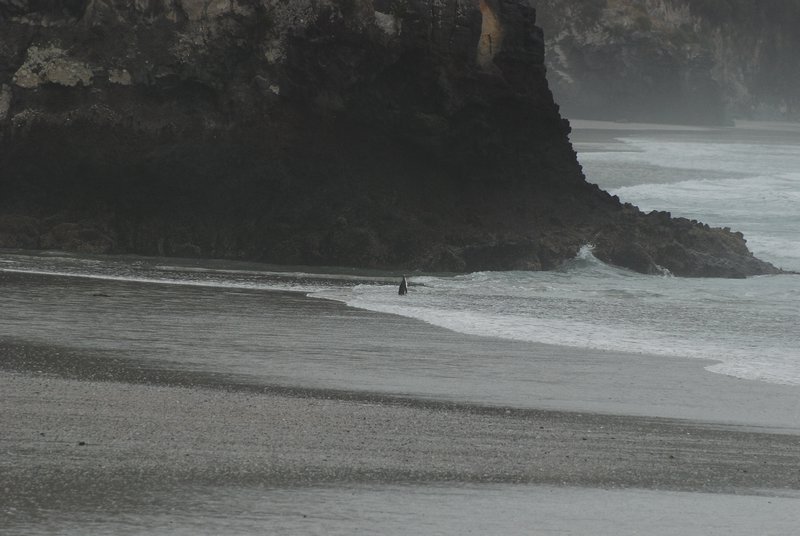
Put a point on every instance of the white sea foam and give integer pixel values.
(747, 325)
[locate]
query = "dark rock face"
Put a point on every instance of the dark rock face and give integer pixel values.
(388, 133)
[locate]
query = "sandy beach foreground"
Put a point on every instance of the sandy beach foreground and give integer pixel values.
(100, 437)
(87, 447)
(89, 457)
(61, 433)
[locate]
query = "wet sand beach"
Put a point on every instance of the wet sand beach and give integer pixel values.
(100, 329)
(82, 450)
(96, 435)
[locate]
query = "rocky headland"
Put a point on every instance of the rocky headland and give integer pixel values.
(674, 61)
(413, 134)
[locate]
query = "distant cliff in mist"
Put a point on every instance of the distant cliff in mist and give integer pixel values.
(683, 61)
(397, 134)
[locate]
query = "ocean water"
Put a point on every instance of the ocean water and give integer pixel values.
(751, 187)
(744, 178)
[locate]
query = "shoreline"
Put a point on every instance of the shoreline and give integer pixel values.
(324, 346)
(103, 433)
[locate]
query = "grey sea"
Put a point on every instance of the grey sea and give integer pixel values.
(169, 396)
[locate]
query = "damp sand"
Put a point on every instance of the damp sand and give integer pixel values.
(100, 442)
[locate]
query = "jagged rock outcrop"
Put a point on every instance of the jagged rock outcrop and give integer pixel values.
(377, 133)
(681, 61)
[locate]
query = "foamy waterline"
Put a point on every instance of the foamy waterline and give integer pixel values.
(596, 307)
(586, 305)
(751, 363)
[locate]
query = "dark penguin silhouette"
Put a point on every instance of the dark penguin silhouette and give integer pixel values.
(403, 287)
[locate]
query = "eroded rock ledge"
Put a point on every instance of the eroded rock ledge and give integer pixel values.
(388, 133)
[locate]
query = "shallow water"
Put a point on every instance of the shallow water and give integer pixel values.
(731, 178)
(429, 510)
(241, 327)
(748, 325)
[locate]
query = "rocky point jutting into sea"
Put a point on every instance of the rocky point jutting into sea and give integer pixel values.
(414, 134)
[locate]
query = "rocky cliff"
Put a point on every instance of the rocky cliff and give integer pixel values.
(683, 61)
(414, 134)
